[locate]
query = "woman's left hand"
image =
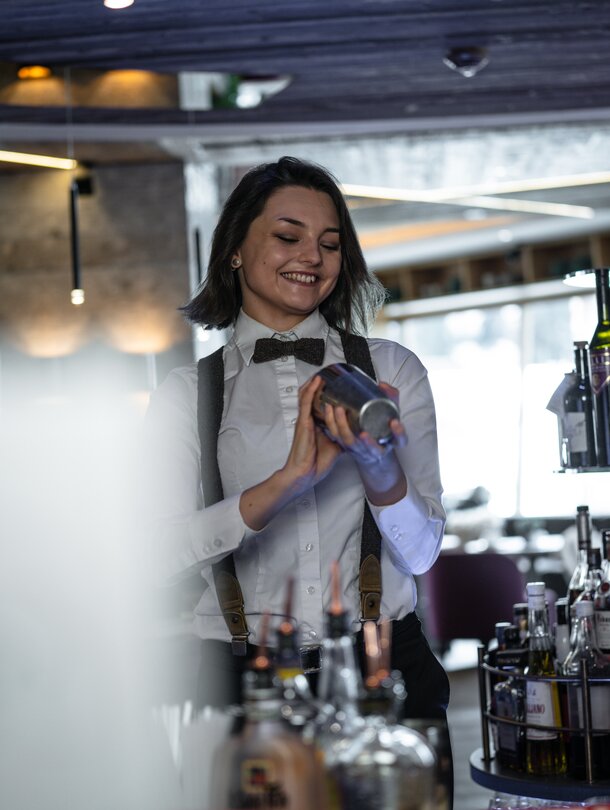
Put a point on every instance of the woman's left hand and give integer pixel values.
(383, 477)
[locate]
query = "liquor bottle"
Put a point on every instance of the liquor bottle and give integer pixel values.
(599, 361)
(601, 602)
(579, 575)
(562, 633)
(606, 553)
(577, 420)
(520, 614)
(298, 705)
(266, 765)
(545, 748)
(594, 576)
(585, 647)
(508, 702)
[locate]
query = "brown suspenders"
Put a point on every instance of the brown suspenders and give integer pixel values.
(209, 414)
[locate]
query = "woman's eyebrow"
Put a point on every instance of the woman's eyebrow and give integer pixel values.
(300, 224)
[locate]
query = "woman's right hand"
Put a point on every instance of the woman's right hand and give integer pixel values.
(312, 456)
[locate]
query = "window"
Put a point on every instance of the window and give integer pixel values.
(493, 371)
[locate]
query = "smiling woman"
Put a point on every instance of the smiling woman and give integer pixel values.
(249, 490)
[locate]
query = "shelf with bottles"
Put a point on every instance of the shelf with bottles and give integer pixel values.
(486, 770)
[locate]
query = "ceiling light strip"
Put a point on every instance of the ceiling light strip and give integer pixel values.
(526, 206)
(46, 161)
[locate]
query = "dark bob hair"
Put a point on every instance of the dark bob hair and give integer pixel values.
(358, 294)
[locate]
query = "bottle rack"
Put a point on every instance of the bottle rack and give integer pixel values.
(485, 771)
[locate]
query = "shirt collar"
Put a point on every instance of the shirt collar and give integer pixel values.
(247, 331)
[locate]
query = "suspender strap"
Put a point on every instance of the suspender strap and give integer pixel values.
(357, 353)
(210, 387)
(210, 398)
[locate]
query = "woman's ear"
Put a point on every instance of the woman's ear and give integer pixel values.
(236, 262)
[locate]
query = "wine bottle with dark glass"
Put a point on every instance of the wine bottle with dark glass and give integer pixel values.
(579, 575)
(599, 362)
(577, 420)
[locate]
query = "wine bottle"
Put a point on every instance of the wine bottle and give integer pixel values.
(508, 702)
(544, 747)
(602, 601)
(578, 430)
(583, 533)
(585, 647)
(562, 633)
(599, 361)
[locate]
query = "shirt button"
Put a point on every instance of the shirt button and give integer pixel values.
(311, 590)
(284, 359)
(289, 389)
(217, 542)
(305, 504)
(309, 547)
(394, 529)
(293, 421)
(313, 634)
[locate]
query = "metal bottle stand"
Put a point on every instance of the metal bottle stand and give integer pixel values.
(485, 771)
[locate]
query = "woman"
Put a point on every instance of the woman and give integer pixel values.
(285, 263)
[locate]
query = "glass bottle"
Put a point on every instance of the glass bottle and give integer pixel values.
(545, 748)
(265, 765)
(298, 705)
(562, 633)
(585, 647)
(579, 575)
(601, 602)
(599, 361)
(508, 702)
(371, 765)
(594, 575)
(520, 619)
(577, 419)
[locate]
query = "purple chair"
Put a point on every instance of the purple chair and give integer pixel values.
(464, 595)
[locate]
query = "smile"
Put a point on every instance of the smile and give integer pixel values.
(304, 278)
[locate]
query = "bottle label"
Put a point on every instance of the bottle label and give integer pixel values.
(602, 626)
(541, 710)
(259, 786)
(600, 369)
(575, 431)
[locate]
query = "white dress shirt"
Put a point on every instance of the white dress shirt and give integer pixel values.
(324, 523)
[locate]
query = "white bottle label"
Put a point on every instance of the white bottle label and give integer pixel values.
(602, 626)
(575, 430)
(540, 710)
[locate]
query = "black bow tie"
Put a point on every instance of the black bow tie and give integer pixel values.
(311, 350)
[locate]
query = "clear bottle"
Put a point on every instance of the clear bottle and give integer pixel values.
(371, 765)
(601, 602)
(298, 704)
(599, 361)
(266, 765)
(594, 576)
(579, 575)
(562, 633)
(520, 614)
(545, 748)
(585, 647)
(577, 420)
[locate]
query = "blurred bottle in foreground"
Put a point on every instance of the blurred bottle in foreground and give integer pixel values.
(266, 765)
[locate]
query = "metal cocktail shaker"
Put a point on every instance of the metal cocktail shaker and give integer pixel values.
(366, 406)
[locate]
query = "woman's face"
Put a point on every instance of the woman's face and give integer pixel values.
(290, 258)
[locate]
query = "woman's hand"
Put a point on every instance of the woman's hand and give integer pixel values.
(312, 455)
(383, 477)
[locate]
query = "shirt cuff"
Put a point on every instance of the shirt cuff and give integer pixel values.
(218, 530)
(412, 533)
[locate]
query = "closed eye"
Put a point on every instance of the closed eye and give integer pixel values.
(331, 247)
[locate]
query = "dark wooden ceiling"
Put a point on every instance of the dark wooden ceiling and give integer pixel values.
(351, 60)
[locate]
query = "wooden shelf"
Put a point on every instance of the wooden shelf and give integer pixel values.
(518, 265)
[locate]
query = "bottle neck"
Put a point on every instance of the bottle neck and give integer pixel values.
(583, 531)
(538, 626)
(581, 363)
(339, 683)
(602, 289)
(583, 645)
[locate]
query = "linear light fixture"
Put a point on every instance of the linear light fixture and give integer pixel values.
(482, 201)
(33, 72)
(46, 161)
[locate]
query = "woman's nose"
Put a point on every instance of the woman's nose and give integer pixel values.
(311, 253)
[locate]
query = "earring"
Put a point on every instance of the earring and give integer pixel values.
(235, 262)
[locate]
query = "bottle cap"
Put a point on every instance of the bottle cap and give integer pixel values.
(520, 609)
(535, 589)
(584, 607)
(500, 629)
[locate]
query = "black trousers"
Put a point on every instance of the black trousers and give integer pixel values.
(220, 672)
